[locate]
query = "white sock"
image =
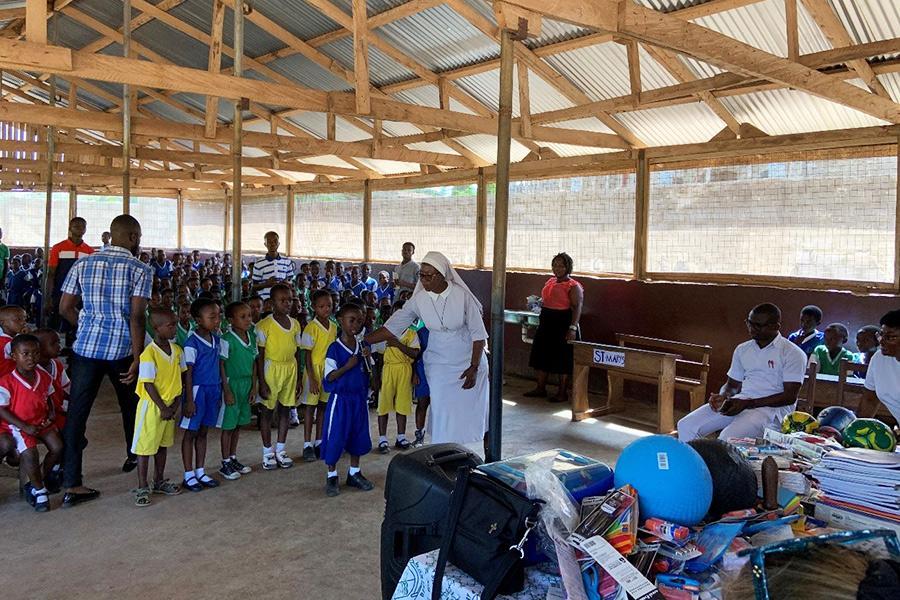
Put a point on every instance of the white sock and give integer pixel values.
(56, 468)
(401, 437)
(279, 447)
(382, 438)
(188, 475)
(307, 445)
(294, 414)
(200, 473)
(318, 443)
(38, 492)
(332, 473)
(354, 470)
(232, 457)
(267, 450)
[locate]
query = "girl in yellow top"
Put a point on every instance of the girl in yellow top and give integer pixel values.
(396, 384)
(160, 372)
(317, 337)
(278, 337)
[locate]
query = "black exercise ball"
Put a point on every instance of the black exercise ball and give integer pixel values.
(734, 482)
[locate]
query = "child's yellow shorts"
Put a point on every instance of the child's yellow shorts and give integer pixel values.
(315, 399)
(396, 390)
(281, 377)
(150, 431)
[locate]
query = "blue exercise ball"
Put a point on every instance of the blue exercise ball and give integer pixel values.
(671, 478)
(836, 416)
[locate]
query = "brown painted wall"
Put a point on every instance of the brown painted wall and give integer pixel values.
(696, 313)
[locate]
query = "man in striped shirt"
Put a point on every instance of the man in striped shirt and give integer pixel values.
(62, 256)
(272, 268)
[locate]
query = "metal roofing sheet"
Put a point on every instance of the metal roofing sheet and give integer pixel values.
(869, 20)
(300, 18)
(70, 33)
(439, 38)
(427, 95)
(588, 124)
(680, 124)
(309, 74)
(389, 167)
(485, 146)
(383, 70)
(551, 30)
(198, 13)
(486, 88)
(316, 124)
(785, 111)
(569, 150)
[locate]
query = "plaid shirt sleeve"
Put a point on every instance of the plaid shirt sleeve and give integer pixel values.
(143, 283)
(72, 284)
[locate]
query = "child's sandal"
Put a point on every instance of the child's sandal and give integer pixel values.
(41, 502)
(142, 496)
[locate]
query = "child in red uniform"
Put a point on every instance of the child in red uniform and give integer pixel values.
(26, 412)
(13, 321)
(50, 349)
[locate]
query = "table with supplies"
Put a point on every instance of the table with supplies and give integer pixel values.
(417, 578)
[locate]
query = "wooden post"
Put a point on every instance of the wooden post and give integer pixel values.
(666, 395)
(524, 99)
(498, 279)
(73, 202)
(289, 217)
(226, 234)
(126, 112)
(36, 21)
(48, 200)
(793, 38)
(480, 219)
(237, 151)
(180, 217)
(897, 223)
(361, 57)
(641, 213)
(367, 220)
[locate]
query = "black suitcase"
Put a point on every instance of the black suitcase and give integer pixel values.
(417, 496)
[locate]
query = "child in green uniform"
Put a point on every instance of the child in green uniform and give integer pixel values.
(830, 354)
(238, 352)
(185, 324)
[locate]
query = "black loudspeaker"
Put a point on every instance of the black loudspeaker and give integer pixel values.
(417, 496)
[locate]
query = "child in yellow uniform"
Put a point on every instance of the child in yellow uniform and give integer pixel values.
(278, 336)
(159, 386)
(317, 337)
(396, 389)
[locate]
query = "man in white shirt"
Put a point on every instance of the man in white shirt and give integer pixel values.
(406, 275)
(883, 375)
(272, 268)
(763, 382)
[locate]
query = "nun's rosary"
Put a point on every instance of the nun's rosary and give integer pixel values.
(439, 316)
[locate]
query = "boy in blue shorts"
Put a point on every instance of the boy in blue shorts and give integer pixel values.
(239, 352)
(346, 414)
(203, 392)
(159, 386)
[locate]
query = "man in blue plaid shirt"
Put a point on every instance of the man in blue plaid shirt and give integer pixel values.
(113, 287)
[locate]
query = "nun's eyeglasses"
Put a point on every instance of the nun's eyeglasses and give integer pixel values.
(424, 275)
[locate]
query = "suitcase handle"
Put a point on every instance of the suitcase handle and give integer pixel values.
(452, 457)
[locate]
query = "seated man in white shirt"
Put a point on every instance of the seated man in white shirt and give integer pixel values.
(883, 375)
(763, 382)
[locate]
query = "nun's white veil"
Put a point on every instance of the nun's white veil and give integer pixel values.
(443, 266)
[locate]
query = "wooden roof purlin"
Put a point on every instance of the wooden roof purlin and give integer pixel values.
(187, 146)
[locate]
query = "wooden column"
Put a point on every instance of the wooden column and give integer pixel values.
(498, 279)
(73, 202)
(36, 21)
(237, 151)
(180, 217)
(229, 227)
(126, 112)
(289, 226)
(361, 57)
(641, 213)
(48, 200)
(897, 223)
(480, 219)
(367, 220)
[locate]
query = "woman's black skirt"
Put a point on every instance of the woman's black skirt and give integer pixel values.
(550, 351)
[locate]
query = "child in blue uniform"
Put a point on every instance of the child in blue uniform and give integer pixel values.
(346, 416)
(421, 392)
(203, 392)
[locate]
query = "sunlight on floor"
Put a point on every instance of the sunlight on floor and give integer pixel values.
(510, 403)
(567, 414)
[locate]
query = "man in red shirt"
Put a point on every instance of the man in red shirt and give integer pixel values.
(62, 256)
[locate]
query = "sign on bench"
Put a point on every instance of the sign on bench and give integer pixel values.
(618, 362)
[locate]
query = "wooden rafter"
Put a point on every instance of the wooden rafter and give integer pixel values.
(834, 30)
(361, 57)
(650, 26)
(214, 64)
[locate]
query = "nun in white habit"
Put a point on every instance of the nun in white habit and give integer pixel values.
(455, 362)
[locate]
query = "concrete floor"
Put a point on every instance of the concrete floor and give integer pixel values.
(269, 533)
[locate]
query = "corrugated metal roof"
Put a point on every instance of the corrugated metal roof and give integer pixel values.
(785, 111)
(298, 17)
(427, 95)
(70, 33)
(439, 38)
(681, 124)
(589, 124)
(542, 96)
(485, 146)
(569, 150)
(551, 31)
(383, 70)
(389, 167)
(891, 82)
(316, 124)
(198, 13)
(309, 74)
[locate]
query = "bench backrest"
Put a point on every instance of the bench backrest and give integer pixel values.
(848, 366)
(694, 357)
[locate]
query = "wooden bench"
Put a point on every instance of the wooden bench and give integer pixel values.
(691, 367)
(848, 367)
(658, 367)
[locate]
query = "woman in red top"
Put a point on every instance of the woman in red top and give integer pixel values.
(561, 302)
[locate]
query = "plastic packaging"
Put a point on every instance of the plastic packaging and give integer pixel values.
(559, 516)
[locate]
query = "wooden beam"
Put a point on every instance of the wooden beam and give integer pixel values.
(138, 21)
(30, 55)
(830, 24)
(524, 99)
(641, 214)
(214, 64)
(159, 128)
(634, 69)
(36, 21)
(8, 14)
(793, 34)
(361, 57)
(330, 126)
(647, 25)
